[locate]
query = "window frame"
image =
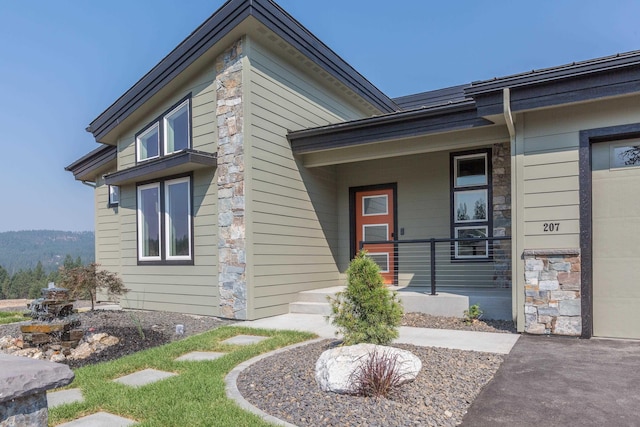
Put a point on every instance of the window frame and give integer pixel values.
(165, 125)
(139, 218)
(111, 190)
(168, 220)
(386, 205)
(164, 258)
(457, 225)
(160, 123)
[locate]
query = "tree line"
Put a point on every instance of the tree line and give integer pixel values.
(29, 283)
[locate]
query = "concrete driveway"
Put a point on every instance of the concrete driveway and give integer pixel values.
(554, 381)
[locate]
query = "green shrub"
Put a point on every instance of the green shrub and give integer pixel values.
(366, 312)
(473, 313)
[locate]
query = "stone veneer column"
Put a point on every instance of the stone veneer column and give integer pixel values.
(552, 292)
(232, 282)
(501, 179)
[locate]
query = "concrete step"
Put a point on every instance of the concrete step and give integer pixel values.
(319, 295)
(303, 307)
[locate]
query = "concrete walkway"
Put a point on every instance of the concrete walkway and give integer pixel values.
(556, 381)
(461, 340)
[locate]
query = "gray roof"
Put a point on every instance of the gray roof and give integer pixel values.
(432, 98)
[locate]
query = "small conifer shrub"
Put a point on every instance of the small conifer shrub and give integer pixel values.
(367, 311)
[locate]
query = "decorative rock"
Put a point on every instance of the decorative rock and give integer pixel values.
(335, 366)
(23, 377)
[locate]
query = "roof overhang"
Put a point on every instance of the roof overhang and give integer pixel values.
(233, 20)
(599, 78)
(402, 125)
(174, 164)
(92, 164)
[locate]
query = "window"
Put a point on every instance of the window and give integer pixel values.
(176, 129)
(114, 195)
(167, 134)
(471, 204)
(148, 143)
(625, 155)
(164, 221)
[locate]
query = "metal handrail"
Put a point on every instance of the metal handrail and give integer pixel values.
(432, 246)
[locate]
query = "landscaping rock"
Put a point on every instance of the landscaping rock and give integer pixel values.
(335, 367)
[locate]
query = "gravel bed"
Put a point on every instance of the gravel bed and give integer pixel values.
(284, 386)
(422, 320)
(158, 328)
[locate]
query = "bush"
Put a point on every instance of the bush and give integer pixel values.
(473, 313)
(366, 312)
(86, 281)
(378, 376)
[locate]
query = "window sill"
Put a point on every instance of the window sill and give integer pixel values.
(173, 164)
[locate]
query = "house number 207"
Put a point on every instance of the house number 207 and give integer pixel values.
(551, 227)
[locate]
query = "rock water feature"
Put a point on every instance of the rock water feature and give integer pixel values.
(54, 325)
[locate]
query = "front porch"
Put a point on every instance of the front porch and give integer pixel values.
(449, 302)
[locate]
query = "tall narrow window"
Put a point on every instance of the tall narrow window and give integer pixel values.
(149, 222)
(471, 204)
(178, 219)
(176, 129)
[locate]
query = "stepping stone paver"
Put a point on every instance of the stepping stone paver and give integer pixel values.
(99, 419)
(57, 398)
(197, 356)
(144, 377)
(244, 340)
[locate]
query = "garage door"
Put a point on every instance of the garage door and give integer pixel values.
(616, 239)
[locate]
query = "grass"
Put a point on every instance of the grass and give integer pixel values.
(196, 397)
(11, 317)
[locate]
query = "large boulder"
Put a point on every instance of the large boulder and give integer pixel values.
(335, 367)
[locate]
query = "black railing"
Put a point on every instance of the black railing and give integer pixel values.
(469, 262)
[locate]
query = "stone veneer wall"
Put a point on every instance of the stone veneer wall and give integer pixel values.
(501, 178)
(552, 292)
(232, 282)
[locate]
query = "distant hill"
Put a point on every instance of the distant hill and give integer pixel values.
(23, 249)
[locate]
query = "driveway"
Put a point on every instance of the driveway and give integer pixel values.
(556, 381)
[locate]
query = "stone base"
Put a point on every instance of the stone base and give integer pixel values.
(553, 292)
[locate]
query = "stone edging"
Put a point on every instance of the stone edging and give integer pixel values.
(231, 387)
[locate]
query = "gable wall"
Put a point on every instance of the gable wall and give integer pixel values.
(186, 289)
(291, 210)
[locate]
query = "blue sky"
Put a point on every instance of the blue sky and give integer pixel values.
(63, 62)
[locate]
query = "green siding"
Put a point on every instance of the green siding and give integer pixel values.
(107, 229)
(187, 289)
(291, 211)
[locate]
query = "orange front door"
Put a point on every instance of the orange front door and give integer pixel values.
(375, 221)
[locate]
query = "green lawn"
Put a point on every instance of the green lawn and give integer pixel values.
(11, 317)
(196, 397)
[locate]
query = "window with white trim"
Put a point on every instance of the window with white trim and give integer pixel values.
(165, 221)
(167, 134)
(471, 204)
